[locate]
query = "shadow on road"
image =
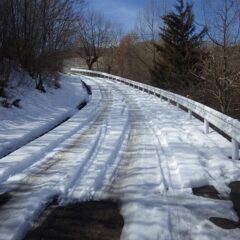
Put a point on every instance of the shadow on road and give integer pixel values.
(94, 220)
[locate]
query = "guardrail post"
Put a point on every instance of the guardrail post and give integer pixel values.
(206, 126)
(189, 114)
(178, 106)
(235, 149)
(168, 101)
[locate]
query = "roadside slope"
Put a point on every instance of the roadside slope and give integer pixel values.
(39, 112)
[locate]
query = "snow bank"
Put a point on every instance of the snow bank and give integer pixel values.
(39, 112)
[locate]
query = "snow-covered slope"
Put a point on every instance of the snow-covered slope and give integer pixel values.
(39, 112)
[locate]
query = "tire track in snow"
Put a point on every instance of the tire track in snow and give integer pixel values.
(174, 143)
(162, 134)
(61, 154)
(93, 133)
(140, 148)
(150, 213)
(99, 173)
(31, 153)
(172, 211)
(140, 175)
(53, 177)
(190, 136)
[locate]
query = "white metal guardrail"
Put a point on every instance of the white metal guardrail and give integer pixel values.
(228, 125)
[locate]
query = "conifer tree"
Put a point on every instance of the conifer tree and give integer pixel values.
(179, 51)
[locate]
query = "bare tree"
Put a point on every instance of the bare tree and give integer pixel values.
(93, 37)
(109, 53)
(126, 63)
(57, 20)
(124, 55)
(34, 34)
(222, 70)
(148, 23)
(4, 38)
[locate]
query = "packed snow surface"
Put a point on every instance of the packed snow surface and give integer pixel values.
(129, 146)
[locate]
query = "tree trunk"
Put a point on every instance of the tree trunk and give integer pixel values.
(89, 65)
(40, 86)
(90, 62)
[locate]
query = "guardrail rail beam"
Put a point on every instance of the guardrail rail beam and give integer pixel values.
(226, 124)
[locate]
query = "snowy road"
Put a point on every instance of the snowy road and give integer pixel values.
(129, 146)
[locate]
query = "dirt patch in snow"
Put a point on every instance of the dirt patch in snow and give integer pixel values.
(94, 220)
(224, 223)
(4, 198)
(211, 192)
(206, 191)
(235, 196)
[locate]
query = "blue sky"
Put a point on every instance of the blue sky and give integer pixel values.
(125, 11)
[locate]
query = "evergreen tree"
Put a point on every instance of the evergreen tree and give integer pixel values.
(179, 51)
